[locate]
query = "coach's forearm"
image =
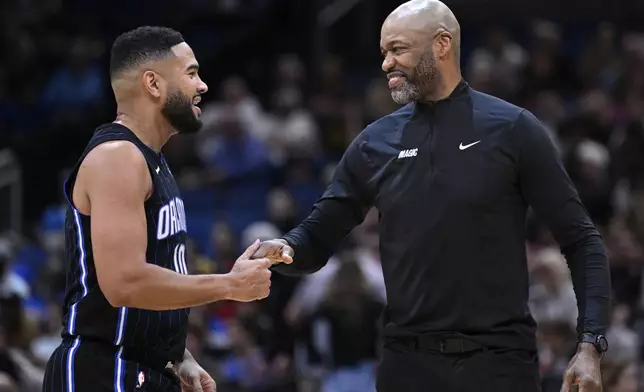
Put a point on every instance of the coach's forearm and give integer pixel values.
(590, 274)
(316, 239)
(156, 288)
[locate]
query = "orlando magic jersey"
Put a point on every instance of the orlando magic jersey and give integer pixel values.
(87, 313)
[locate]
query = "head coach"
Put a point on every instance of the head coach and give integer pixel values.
(452, 174)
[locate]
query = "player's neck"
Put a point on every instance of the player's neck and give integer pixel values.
(153, 132)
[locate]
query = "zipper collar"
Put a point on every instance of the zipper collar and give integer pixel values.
(462, 88)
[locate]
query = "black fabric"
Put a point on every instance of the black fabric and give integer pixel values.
(452, 182)
(412, 370)
(82, 366)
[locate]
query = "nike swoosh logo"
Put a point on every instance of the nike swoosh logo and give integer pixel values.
(465, 147)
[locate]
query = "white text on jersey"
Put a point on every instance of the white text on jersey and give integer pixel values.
(408, 153)
(172, 219)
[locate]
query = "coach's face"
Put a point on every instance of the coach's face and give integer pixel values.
(409, 61)
(184, 90)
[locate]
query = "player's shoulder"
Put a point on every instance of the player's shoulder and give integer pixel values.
(113, 154)
(115, 166)
(116, 162)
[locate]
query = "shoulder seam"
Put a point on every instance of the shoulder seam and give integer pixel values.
(519, 139)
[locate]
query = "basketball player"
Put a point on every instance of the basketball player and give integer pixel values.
(128, 288)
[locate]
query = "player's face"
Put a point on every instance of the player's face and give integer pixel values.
(184, 92)
(410, 64)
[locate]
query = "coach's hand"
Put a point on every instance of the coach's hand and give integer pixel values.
(250, 278)
(583, 370)
(194, 378)
(278, 251)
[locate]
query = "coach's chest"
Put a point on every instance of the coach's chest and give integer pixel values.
(447, 164)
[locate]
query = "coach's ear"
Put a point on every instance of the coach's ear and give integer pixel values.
(153, 83)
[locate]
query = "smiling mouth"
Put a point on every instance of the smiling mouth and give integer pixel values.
(396, 81)
(196, 108)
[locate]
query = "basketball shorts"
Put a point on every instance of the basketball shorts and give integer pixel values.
(88, 366)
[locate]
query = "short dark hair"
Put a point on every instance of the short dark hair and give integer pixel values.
(142, 44)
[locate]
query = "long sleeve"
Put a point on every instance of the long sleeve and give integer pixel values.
(546, 187)
(342, 207)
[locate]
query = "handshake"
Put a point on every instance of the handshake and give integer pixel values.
(250, 277)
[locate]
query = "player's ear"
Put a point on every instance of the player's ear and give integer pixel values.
(153, 83)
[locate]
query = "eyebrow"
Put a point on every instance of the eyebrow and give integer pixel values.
(193, 67)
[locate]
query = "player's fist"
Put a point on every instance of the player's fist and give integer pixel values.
(278, 251)
(250, 278)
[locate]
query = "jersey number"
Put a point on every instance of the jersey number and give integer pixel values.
(180, 259)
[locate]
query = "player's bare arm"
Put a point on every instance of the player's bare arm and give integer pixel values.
(114, 198)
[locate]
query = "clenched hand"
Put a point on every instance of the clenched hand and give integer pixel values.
(250, 278)
(278, 251)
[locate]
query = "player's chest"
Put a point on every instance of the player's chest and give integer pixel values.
(166, 208)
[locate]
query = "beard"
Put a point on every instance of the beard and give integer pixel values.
(177, 109)
(424, 82)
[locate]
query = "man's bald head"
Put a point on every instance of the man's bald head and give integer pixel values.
(431, 16)
(421, 42)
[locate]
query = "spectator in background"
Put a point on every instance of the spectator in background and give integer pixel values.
(50, 333)
(378, 102)
(597, 112)
(497, 65)
(552, 299)
(329, 105)
(555, 350)
(293, 132)
(620, 377)
(282, 210)
(290, 72)
(590, 173)
(235, 153)
(235, 96)
(550, 108)
(7, 384)
(624, 341)
(78, 84)
(627, 259)
(196, 344)
(311, 291)
(600, 62)
(246, 368)
(19, 331)
(224, 243)
(344, 330)
(10, 376)
(10, 283)
(237, 163)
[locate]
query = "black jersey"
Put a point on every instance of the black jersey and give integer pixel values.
(88, 314)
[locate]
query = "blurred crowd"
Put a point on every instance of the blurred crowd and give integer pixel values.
(264, 156)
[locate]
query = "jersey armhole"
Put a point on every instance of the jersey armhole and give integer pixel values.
(68, 186)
